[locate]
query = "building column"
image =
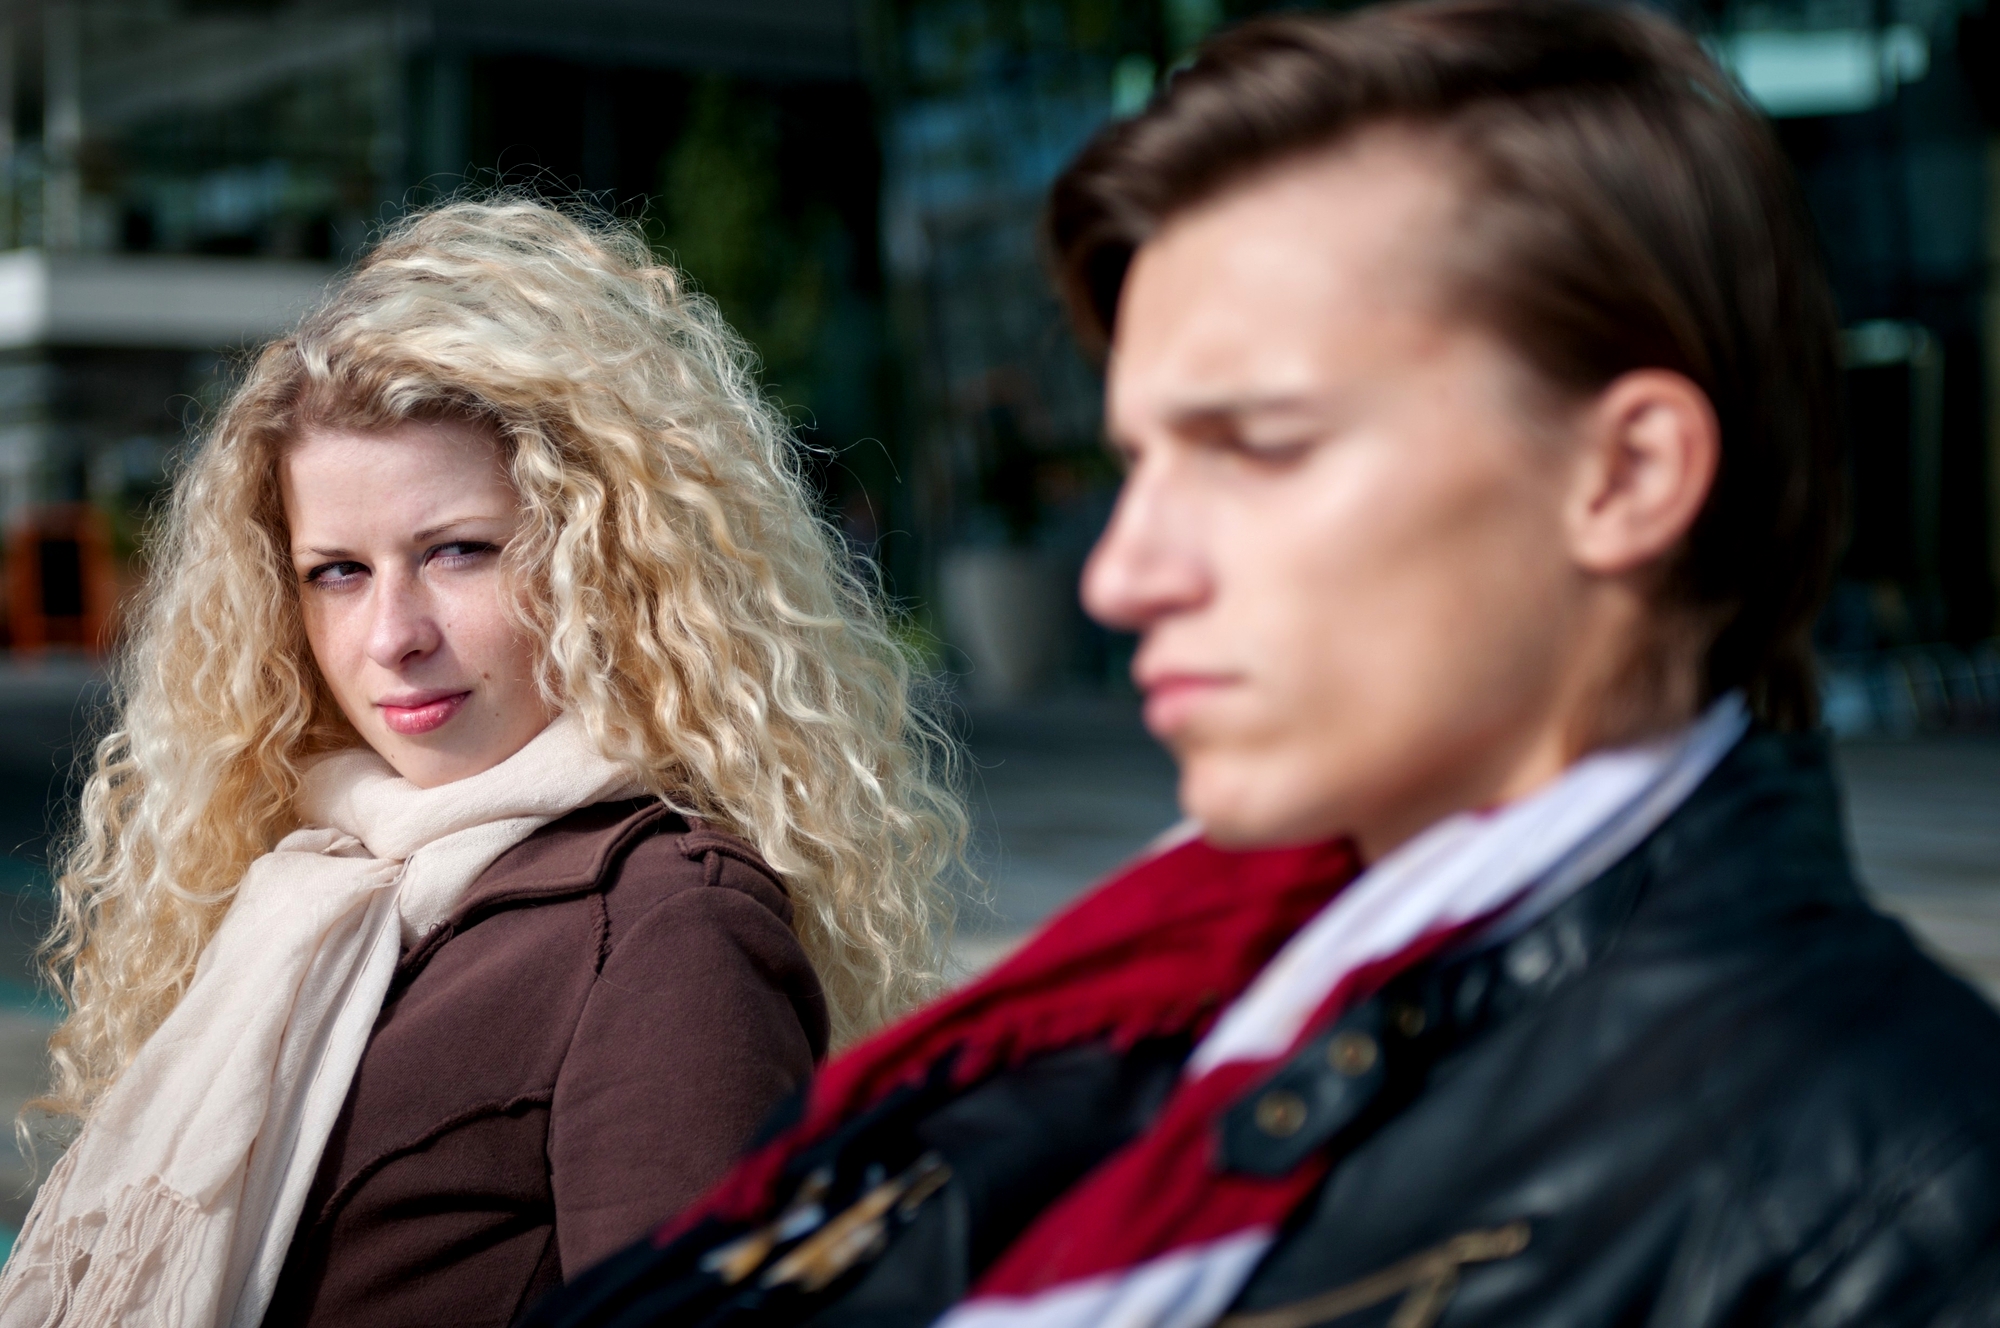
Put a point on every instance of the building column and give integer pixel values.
(62, 127)
(1992, 346)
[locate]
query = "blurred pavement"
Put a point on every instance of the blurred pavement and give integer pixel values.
(42, 708)
(1062, 792)
(1924, 816)
(1065, 791)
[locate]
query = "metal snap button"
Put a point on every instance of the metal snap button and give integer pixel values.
(1352, 1054)
(1281, 1113)
(1530, 960)
(1409, 1019)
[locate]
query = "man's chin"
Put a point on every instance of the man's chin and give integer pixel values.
(1240, 812)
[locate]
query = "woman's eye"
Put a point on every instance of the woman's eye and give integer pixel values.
(334, 575)
(459, 552)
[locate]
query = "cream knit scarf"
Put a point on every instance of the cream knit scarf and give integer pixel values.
(175, 1206)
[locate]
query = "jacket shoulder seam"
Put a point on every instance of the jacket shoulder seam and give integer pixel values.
(1881, 1204)
(705, 841)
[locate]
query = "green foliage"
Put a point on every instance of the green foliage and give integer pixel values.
(916, 636)
(719, 216)
(1188, 21)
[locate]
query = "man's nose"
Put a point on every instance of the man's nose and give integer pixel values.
(404, 626)
(1148, 563)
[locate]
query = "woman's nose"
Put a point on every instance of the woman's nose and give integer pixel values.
(1148, 563)
(404, 625)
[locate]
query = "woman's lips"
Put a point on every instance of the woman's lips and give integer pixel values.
(410, 719)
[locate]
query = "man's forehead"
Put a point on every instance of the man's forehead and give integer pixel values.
(1252, 297)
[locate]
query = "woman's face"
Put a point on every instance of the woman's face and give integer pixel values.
(396, 540)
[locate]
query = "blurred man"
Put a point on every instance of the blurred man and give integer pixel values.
(1474, 384)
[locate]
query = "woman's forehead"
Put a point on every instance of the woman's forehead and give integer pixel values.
(415, 477)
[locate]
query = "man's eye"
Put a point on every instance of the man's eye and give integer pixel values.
(1275, 450)
(331, 575)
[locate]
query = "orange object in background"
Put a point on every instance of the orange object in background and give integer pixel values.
(61, 584)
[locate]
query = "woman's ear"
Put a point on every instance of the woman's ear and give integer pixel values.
(1649, 445)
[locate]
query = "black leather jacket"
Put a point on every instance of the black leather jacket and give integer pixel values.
(1712, 1088)
(1715, 1086)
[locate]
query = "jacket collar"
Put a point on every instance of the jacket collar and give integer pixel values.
(565, 857)
(1759, 839)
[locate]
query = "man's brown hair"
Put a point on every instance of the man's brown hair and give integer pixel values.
(1624, 210)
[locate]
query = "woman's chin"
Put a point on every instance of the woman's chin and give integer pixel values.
(428, 765)
(455, 751)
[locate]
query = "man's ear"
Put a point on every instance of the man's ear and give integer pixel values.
(1648, 448)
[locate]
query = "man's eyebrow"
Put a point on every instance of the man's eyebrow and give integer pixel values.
(1217, 408)
(1198, 412)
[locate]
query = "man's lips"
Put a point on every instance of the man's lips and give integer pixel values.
(1172, 697)
(420, 713)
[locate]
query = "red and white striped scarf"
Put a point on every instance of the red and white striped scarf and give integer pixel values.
(1255, 953)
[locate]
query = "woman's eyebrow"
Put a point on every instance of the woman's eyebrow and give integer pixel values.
(432, 532)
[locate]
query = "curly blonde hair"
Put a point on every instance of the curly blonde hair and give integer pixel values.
(710, 630)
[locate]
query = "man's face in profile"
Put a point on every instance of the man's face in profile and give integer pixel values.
(1341, 533)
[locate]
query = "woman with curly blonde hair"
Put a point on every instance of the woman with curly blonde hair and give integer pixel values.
(514, 789)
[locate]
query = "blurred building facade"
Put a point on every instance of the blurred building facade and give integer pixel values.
(1889, 110)
(1886, 110)
(857, 182)
(179, 179)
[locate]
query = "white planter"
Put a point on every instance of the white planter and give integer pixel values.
(1005, 610)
